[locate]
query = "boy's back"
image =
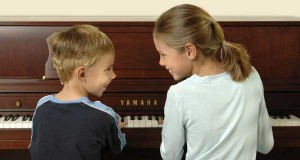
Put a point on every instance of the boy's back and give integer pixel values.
(74, 130)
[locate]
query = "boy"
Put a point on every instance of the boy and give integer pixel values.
(67, 125)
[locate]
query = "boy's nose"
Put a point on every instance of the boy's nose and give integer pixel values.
(113, 75)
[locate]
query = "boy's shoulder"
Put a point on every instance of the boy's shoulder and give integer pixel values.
(102, 107)
(92, 104)
(44, 99)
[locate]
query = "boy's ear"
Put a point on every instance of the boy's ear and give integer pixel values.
(80, 73)
(191, 51)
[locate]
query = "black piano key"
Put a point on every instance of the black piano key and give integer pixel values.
(7, 118)
(25, 117)
(14, 118)
(280, 116)
(287, 116)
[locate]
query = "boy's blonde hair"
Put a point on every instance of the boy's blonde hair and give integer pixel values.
(187, 23)
(81, 45)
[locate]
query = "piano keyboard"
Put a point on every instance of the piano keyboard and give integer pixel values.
(143, 121)
(285, 121)
(16, 121)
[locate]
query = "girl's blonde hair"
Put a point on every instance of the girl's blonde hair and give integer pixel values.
(81, 45)
(187, 23)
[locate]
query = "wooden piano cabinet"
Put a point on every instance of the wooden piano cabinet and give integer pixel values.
(286, 136)
(19, 102)
(281, 153)
(14, 138)
(24, 78)
(136, 138)
(141, 144)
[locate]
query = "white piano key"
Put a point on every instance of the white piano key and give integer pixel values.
(143, 121)
(295, 120)
(148, 121)
(6, 122)
(13, 120)
(17, 123)
(284, 122)
(29, 124)
(2, 122)
(154, 121)
(274, 121)
(136, 123)
(26, 123)
(130, 122)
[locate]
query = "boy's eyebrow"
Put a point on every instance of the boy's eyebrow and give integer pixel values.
(110, 65)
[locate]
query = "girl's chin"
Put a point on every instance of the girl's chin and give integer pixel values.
(176, 78)
(179, 78)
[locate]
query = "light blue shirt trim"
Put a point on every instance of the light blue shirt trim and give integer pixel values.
(100, 106)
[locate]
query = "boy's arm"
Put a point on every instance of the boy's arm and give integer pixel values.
(115, 139)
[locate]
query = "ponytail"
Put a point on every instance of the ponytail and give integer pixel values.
(235, 60)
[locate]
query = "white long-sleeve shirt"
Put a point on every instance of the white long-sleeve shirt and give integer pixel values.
(218, 118)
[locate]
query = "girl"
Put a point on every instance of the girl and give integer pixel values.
(218, 109)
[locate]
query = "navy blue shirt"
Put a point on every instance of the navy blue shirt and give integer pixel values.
(74, 130)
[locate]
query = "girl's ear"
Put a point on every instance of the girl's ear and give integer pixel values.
(191, 51)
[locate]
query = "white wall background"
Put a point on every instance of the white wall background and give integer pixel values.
(16, 9)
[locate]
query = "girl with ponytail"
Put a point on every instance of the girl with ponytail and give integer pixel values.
(218, 109)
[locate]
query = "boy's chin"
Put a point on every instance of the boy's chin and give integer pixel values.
(96, 95)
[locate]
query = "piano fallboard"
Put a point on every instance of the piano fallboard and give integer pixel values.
(136, 138)
(141, 138)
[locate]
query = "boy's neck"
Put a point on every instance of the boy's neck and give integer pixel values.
(70, 92)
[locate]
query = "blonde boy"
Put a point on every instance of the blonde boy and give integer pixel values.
(67, 125)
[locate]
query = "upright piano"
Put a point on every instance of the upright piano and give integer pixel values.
(139, 91)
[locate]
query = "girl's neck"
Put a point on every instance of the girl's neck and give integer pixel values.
(207, 67)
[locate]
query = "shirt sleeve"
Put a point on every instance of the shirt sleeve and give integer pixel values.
(115, 139)
(265, 140)
(173, 132)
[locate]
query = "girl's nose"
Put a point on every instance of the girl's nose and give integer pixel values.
(161, 62)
